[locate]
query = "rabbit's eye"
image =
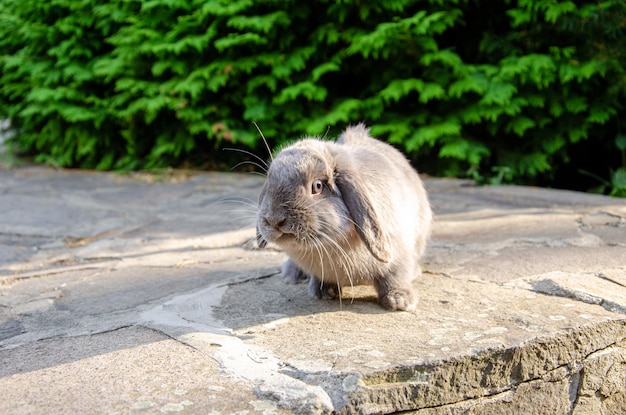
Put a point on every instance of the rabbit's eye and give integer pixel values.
(316, 187)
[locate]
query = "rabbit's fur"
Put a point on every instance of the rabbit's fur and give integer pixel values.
(350, 212)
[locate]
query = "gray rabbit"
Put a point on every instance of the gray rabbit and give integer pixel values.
(351, 212)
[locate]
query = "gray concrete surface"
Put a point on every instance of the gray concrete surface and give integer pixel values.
(145, 294)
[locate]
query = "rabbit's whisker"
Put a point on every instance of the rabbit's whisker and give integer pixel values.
(347, 263)
(239, 150)
(243, 163)
(264, 141)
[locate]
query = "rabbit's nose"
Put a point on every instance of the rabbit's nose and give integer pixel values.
(276, 222)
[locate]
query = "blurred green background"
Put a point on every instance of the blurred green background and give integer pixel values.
(528, 92)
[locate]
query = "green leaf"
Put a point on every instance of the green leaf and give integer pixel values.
(465, 150)
(323, 69)
(256, 109)
(618, 182)
(576, 105)
(446, 56)
(534, 163)
(75, 114)
(262, 24)
(553, 144)
(429, 134)
(599, 114)
(554, 11)
(396, 132)
(519, 125)
(341, 113)
(498, 93)
(430, 91)
(474, 82)
(556, 109)
(576, 134)
(307, 90)
(239, 39)
(400, 88)
(266, 81)
(519, 17)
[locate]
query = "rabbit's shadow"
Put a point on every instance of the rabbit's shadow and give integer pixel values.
(260, 301)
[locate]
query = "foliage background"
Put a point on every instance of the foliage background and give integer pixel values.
(500, 91)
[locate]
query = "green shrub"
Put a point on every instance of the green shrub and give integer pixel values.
(498, 91)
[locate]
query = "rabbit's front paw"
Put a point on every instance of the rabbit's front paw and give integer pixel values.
(323, 290)
(399, 299)
(292, 273)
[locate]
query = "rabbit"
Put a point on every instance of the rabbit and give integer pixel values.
(351, 212)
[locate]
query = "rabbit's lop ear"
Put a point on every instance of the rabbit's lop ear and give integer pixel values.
(365, 211)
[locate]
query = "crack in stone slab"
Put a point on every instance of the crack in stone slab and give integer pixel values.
(97, 264)
(569, 370)
(169, 336)
(111, 330)
(433, 386)
(612, 279)
(578, 287)
(505, 397)
(75, 242)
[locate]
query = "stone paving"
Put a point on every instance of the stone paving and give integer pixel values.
(146, 294)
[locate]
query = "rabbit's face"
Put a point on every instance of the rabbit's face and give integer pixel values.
(300, 207)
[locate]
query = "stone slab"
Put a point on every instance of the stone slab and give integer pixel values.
(145, 294)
